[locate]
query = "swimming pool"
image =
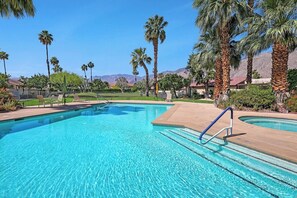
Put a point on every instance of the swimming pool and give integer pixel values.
(115, 151)
(273, 123)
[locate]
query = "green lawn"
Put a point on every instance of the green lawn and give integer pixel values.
(115, 96)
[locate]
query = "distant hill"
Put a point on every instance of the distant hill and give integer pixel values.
(262, 63)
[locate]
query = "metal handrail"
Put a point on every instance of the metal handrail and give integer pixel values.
(213, 122)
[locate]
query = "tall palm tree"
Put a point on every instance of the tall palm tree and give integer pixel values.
(250, 55)
(221, 15)
(140, 59)
(84, 67)
(91, 65)
(154, 30)
(275, 25)
(17, 8)
(46, 39)
(4, 56)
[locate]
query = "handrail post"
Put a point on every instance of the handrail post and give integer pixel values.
(213, 122)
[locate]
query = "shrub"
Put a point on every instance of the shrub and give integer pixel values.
(7, 102)
(254, 97)
(292, 103)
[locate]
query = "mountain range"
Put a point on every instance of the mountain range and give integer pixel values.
(262, 63)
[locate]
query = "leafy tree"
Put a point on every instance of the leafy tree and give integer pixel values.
(141, 86)
(122, 83)
(25, 83)
(154, 30)
(275, 25)
(46, 39)
(17, 8)
(140, 58)
(256, 74)
(91, 66)
(4, 80)
(98, 84)
(172, 82)
(73, 81)
(292, 79)
(38, 81)
(4, 56)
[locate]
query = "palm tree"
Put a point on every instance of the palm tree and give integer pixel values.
(84, 67)
(275, 24)
(249, 74)
(209, 49)
(4, 56)
(223, 16)
(154, 30)
(17, 8)
(54, 61)
(91, 65)
(46, 39)
(140, 58)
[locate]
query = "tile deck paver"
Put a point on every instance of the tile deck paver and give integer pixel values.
(198, 116)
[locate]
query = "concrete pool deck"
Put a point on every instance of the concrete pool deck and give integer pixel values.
(198, 116)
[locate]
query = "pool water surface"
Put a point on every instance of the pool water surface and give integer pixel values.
(115, 151)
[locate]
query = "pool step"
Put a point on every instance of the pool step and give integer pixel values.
(259, 173)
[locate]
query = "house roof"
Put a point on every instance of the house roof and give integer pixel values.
(237, 80)
(14, 82)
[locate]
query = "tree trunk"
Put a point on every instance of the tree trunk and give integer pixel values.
(249, 69)
(91, 76)
(4, 67)
(47, 62)
(147, 86)
(250, 55)
(225, 40)
(218, 78)
(206, 95)
(174, 93)
(280, 56)
(155, 43)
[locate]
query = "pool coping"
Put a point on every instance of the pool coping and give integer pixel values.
(186, 114)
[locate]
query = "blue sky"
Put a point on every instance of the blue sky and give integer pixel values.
(104, 32)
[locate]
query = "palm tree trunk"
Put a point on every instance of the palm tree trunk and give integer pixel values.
(147, 86)
(250, 55)
(249, 68)
(155, 43)
(4, 67)
(206, 95)
(218, 78)
(47, 62)
(225, 39)
(280, 56)
(91, 76)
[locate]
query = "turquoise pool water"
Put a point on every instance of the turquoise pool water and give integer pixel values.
(115, 151)
(273, 123)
